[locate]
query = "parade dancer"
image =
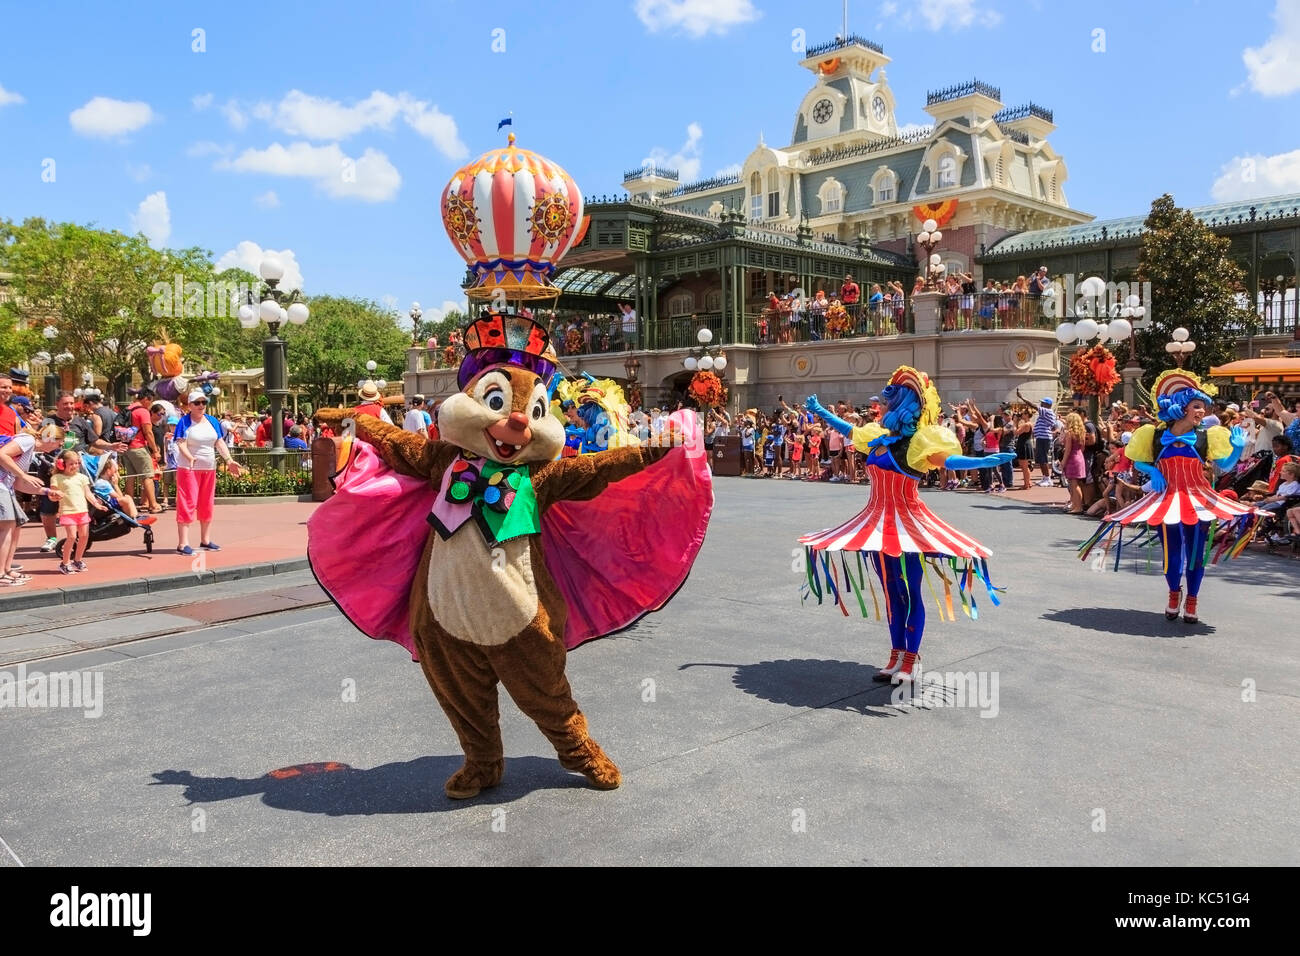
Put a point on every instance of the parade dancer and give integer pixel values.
(900, 537)
(1182, 503)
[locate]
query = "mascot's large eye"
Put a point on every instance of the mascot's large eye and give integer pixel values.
(495, 400)
(539, 409)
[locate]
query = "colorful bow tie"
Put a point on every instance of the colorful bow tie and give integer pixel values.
(1168, 438)
(485, 483)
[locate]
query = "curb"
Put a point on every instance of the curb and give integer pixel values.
(50, 597)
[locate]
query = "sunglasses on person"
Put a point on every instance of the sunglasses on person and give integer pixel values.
(201, 401)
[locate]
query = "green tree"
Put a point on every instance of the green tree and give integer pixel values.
(329, 353)
(1193, 286)
(103, 291)
(452, 319)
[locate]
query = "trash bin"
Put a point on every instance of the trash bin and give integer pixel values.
(324, 459)
(726, 456)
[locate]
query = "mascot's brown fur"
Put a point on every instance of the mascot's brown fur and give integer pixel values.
(500, 616)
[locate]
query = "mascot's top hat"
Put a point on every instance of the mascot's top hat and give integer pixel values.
(497, 339)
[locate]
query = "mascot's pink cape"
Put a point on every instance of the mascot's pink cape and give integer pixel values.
(614, 558)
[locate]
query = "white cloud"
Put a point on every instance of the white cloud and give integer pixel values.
(731, 170)
(268, 200)
(201, 102)
(908, 129)
(370, 178)
(206, 147)
(233, 114)
(686, 160)
(1252, 177)
(248, 255)
(108, 118)
(946, 15)
(9, 96)
(154, 219)
(439, 312)
(315, 117)
(697, 17)
(1275, 67)
(140, 172)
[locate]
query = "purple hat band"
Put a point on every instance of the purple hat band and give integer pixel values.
(480, 360)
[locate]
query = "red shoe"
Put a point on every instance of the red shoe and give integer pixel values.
(904, 674)
(146, 520)
(1175, 599)
(895, 662)
(1189, 611)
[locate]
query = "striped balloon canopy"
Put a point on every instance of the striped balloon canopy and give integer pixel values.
(512, 215)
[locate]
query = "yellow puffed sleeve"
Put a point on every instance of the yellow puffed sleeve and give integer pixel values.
(930, 440)
(1220, 442)
(1142, 446)
(862, 434)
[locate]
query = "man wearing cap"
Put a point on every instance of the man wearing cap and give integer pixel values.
(1046, 425)
(141, 452)
(417, 419)
(1039, 283)
(100, 416)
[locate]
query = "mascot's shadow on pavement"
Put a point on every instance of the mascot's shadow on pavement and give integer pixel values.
(337, 789)
(816, 684)
(1118, 620)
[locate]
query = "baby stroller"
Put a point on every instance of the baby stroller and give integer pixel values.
(113, 523)
(1246, 473)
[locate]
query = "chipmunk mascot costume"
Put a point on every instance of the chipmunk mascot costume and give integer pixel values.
(498, 555)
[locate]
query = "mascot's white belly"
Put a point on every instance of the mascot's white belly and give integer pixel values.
(479, 594)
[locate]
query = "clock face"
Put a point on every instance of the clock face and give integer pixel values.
(878, 109)
(822, 111)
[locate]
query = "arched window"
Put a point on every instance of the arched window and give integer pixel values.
(713, 301)
(831, 195)
(884, 185)
(756, 196)
(682, 303)
(773, 194)
(947, 172)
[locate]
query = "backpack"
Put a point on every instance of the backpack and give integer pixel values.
(123, 430)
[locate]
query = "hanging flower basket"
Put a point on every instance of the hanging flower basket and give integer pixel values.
(707, 389)
(1092, 371)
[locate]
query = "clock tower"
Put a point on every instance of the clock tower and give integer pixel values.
(851, 101)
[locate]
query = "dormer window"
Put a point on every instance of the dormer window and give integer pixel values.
(773, 194)
(831, 195)
(947, 172)
(756, 196)
(884, 185)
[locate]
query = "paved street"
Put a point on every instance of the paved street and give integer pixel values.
(1113, 738)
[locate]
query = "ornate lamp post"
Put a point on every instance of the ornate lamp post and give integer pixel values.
(1180, 348)
(632, 365)
(274, 374)
(705, 357)
(415, 315)
(927, 240)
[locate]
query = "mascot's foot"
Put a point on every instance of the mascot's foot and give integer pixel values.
(590, 761)
(1171, 610)
(1189, 611)
(474, 777)
(905, 674)
(890, 669)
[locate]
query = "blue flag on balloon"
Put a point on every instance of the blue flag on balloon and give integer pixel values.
(505, 122)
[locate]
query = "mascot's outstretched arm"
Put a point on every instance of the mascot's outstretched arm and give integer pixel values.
(585, 477)
(405, 452)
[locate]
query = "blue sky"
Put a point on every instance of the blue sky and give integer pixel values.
(238, 147)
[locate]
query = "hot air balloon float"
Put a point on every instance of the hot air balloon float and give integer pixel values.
(498, 554)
